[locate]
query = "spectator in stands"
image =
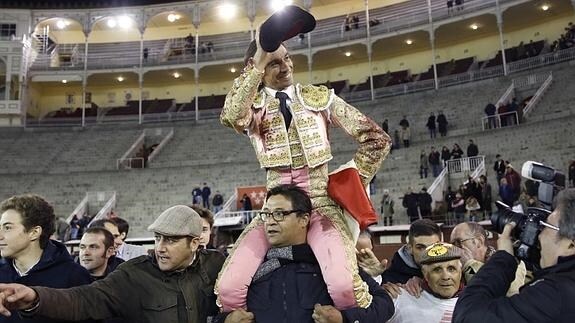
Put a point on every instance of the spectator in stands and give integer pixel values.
(490, 111)
(96, 248)
(572, 173)
(406, 261)
(405, 136)
(458, 205)
(355, 20)
(189, 45)
(486, 197)
(246, 206)
(424, 201)
(385, 126)
(404, 123)
(210, 47)
(410, 203)
(347, 23)
(423, 164)
(502, 114)
(506, 192)
(74, 227)
(472, 149)
(431, 126)
(374, 22)
(449, 6)
(291, 272)
(459, 5)
(207, 224)
(197, 195)
(484, 299)
(145, 54)
(499, 167)
(512, 117)
(206, 192)
(449, 197)
(29, 256)
(272, 74)
(386, 210)
(146, 289)
(456, 152)
(445, 155)
(396, 139)
(125, 250)
(442, 124)
(62, 230)
(217, 202)
(514, 181)
(442, 273)
(435, 162)
(83, 223)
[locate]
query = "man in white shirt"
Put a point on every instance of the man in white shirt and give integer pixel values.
(125, 250)
(441, 267)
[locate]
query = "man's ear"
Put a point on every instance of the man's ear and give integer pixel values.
(305, 219)
(123, 236)
(195, 243)
(35, 233)
(110, 252)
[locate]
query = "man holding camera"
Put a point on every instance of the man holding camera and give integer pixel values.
(549, 297)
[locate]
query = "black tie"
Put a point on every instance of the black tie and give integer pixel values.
(284, 108)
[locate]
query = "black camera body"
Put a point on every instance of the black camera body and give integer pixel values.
(526, 231)
(528, 227)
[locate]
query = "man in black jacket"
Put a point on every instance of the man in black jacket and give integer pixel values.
(405, 263)
(499, 168)
(410, 203)
(289, 286)
(549, 298)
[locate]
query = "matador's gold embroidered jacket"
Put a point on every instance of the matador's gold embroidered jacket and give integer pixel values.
(255, 112)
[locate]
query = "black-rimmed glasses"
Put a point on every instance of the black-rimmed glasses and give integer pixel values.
(459, 242)
(277, 215)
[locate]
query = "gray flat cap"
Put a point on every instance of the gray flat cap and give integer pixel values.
(178, 220)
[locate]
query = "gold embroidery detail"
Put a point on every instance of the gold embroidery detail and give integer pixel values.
(315, 97)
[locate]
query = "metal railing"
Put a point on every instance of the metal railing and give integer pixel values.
(506, 97)
(235, 218)
(439, 185)
(80, 210)
(464, 165)
(538, 95)
(500, 120)
(130, 163)
(107, 208)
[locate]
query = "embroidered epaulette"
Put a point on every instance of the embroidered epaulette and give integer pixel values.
(259, 100)
(315, 98)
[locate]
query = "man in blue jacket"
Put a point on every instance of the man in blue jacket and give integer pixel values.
(29, 256)
(288, 286)
(549, 298)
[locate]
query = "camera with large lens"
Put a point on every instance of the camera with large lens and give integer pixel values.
(526, 231)
(528, 226)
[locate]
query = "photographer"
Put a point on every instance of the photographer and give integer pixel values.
(549, 297)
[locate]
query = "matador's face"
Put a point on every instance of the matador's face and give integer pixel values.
(279, 72)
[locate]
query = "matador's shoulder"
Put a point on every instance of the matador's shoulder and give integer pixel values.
(315, 98)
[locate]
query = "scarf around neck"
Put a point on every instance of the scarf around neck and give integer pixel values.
(278, 257)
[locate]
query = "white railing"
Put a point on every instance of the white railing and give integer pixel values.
(506, 96)
(438, 186)
(130, 163)
(242, 218)
(464, 165)
(228, 205)
(106, 209)
(530, 80)
(538, 95)
(131, 151)
(80, 210)
(161, 145)
(500, 120)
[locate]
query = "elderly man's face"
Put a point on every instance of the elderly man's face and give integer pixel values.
(553, 246)
(462, 237)
(279, 72)
(443, 278)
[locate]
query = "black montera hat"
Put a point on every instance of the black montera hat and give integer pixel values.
(283, 25)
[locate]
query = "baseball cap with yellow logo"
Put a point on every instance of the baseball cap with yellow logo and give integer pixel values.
(439, 252)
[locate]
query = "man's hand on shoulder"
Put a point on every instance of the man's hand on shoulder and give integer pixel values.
(326, 314)
(240, 316)
(392, 289)
(16, 297)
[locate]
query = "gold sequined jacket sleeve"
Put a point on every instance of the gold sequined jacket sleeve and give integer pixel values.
(374, 143)
(237, 112)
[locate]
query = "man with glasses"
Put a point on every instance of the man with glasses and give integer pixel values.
(471, 237)
(176, 285)
(288, 286)
(549, 298)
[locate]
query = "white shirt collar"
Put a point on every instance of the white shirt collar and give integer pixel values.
(290, 91)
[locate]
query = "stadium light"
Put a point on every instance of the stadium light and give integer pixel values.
(120, 78)
(227, 10)
(173, 17)
(409, 41)
(280, 4)
(233, 69)
(61, 24)
(112, 22)
(124, 22)
(474, 27)
(545, 7)
(64, 81)
(348, 54)
(177, 75)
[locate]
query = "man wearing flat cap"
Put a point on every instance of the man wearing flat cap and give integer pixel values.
(176, 285)
(288, 125)
(441, 267)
